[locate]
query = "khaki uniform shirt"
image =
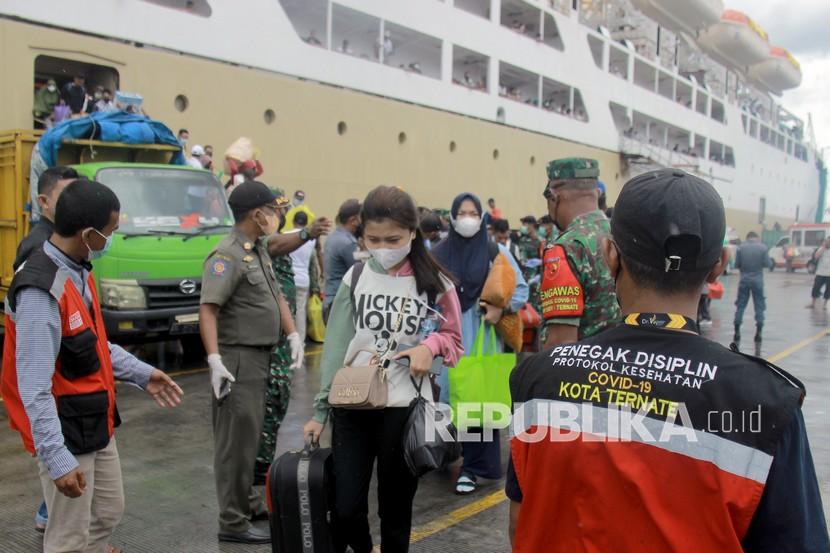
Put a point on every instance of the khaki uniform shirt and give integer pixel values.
(238, 277)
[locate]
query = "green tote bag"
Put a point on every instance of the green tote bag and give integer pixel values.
(480, 383)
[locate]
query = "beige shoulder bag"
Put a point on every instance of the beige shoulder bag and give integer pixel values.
(364, 386)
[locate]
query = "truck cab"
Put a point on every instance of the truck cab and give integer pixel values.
(172, 216)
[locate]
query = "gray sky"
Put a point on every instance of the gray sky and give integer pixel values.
(800, 26)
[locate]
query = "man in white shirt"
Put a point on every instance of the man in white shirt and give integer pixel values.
(301, 262)
(822, 257)
(198, 158)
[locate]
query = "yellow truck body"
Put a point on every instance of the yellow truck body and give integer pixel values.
(15, 153)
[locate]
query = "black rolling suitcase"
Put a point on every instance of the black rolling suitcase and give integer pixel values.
(300, 490)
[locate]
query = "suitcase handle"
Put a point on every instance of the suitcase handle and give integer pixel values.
(310, 444)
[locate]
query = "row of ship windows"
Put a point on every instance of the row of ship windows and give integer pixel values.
(776, 139)
(629, 66)
(329, 25)
(672, 144)
(623, 62)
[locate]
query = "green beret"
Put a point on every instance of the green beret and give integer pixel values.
(573, 168)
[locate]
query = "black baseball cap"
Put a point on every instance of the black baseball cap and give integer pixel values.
(251, 195)
(669, 220)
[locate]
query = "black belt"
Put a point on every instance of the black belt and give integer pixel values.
(245, 346)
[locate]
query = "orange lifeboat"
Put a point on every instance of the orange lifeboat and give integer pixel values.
(688, 16)
(779, 72)
(735, 41)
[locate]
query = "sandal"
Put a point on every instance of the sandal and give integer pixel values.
(113, 549)
(465, 485)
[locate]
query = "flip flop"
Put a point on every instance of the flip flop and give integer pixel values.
(465, 485)
(113, 549)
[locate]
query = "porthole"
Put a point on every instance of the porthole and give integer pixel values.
(533, 160)
(452, 145)
(501, 116)
(496, 153)
(341, 128)
(269, 116)
(181, 102)
(401, 137)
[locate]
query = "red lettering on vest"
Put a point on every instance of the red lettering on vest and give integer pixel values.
(561, 293)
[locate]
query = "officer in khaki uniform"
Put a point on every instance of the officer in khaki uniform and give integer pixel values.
(577, 295)
(241, 316)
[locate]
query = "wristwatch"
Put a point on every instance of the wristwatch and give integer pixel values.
(304, 235)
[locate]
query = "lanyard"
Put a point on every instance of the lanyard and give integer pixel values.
(672, 321)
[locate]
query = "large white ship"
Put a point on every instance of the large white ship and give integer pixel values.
(444, 96)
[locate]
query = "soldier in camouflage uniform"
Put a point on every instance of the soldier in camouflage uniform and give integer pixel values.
(577, 293)
(278, 392)
(530, 253)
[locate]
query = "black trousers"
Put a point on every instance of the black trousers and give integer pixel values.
(358, 438)
(818, 283)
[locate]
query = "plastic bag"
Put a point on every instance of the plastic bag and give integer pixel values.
(316, 329)
(500, 284)
(430, 441)
(510, 329)
(716, 290)
(479, 378)
(242, 149)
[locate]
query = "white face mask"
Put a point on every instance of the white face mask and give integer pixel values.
(388, 257)
(467, 226)
(51, 88)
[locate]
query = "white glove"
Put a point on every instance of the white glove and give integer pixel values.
(218, 373)
(297, 350)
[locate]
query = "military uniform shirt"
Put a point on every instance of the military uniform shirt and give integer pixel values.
(577, 288)
(238, 277)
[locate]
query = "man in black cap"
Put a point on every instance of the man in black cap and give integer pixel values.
(645, 451)
(241, 316)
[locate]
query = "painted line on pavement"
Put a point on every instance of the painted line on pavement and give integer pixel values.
(803, 343)
(459, 515)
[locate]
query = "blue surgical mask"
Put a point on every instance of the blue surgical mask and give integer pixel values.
(523, 230)
(98, 254)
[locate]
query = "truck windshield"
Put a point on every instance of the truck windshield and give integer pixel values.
(156, 200)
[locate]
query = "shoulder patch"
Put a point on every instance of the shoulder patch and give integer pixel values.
(561, 293)
(218, 265)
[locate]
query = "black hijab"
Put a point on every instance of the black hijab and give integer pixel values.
(468, 259)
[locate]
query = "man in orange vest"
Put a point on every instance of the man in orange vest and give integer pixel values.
(647, 436)
(59, 372)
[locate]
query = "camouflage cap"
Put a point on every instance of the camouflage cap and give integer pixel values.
(573, 168)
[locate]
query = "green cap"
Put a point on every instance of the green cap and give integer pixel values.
(573, 168)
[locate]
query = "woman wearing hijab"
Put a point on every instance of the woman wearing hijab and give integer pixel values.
(468, 254)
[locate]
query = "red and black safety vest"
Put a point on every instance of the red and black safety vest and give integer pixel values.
(644, 439)
(83, 383)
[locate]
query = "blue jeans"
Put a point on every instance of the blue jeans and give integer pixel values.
(746, 288)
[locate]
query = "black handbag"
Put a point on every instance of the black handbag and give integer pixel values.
(430, 440)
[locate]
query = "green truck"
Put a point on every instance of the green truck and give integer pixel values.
(172, 216)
